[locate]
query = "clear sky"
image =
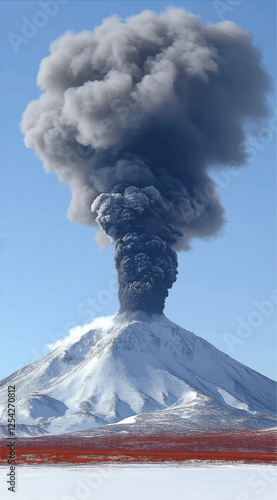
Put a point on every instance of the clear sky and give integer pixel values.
(53, 276)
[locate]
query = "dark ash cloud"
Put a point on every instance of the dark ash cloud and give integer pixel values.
(131, 116)
(135, 220)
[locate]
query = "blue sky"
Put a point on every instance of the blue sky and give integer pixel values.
(53, 276)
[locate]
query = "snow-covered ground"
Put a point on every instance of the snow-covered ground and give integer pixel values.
(151, 482)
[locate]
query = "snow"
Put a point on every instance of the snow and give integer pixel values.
(118, 367)
(232, 401)
(193, 482)
(128, 420)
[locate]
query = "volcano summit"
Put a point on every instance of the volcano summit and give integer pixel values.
(131, 116)
(146, 368)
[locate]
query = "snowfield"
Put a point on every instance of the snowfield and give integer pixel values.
(193, 482)
(147, 370)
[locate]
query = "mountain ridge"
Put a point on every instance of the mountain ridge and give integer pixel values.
(122, 367)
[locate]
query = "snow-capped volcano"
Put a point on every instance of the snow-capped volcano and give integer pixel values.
(116, 368)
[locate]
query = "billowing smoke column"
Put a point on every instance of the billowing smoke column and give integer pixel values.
(147, 266)
(131, 116)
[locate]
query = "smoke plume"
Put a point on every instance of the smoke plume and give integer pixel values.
(131, 116)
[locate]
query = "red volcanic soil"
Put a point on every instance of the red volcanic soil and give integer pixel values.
(254, 446)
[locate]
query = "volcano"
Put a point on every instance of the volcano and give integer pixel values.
(144, 374)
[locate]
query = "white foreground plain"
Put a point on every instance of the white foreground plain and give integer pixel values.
(143, 482)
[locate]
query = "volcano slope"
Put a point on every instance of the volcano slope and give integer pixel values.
(146, 369)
